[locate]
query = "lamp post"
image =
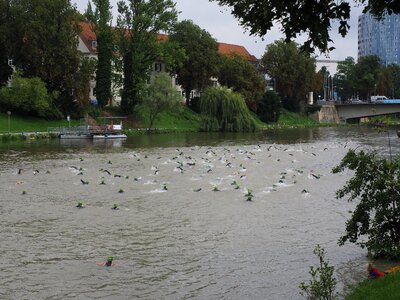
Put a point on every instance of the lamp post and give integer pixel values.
(9, 115)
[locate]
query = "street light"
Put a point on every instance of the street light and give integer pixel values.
(9, 115)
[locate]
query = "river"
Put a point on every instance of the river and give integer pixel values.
(182, 229)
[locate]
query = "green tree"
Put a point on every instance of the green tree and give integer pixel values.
(158, 97)
(292, 70)
(314, 18)
(27, 96)
(269, 108)
(45, 39)
(366, 73)
(242, 77)
(345, 80)
(100, 19)
(322, 284)
(138, 23)
(375, 222)
(388, 81)
(202, 57)
(224, 110)
(5, 25)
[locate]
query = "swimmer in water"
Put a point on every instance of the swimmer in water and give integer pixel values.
(109, 261)
(80, 204)
(115, 207)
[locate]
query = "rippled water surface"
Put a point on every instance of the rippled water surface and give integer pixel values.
(174, 237)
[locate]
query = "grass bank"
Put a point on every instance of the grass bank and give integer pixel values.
(391, 120)
(387, 288)
(182, 119)
(289, 119)
(20, 124)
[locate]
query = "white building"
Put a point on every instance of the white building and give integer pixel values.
(88, 46)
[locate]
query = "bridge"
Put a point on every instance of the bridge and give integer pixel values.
(345, 112)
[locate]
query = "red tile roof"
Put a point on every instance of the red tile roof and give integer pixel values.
(87, 35)
(230, 49)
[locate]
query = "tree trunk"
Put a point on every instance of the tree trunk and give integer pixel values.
(187, 96)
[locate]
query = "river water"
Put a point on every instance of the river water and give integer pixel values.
(174, 236)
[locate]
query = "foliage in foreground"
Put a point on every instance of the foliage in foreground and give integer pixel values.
(298, 17)
(224, 110)
(375, 222)
(384, 288)
(322, 284)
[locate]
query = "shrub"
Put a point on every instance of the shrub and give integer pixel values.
(322, 284)
(28, 96)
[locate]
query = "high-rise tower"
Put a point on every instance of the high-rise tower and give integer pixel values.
(381, 38)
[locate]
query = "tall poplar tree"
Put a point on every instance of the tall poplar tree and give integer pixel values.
(101, 19)
(138, 23)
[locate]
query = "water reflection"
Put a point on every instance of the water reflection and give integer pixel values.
(363, 135)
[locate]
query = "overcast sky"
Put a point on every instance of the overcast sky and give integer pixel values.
(225, 28)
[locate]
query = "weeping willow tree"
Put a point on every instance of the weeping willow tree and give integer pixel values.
(224, 110)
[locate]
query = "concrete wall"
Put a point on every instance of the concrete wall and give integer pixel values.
(327, 114)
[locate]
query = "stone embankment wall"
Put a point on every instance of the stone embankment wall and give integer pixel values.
(327, 114)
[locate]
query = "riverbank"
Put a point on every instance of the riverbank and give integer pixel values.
(183, 120)
(384, 288)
